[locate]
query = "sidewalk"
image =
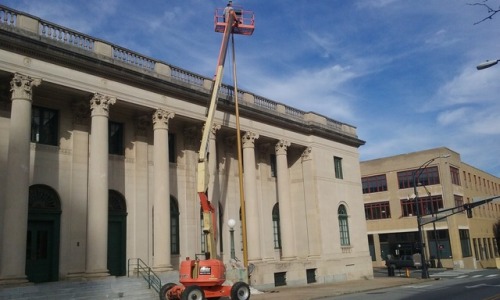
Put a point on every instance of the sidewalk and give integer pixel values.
(317, 291)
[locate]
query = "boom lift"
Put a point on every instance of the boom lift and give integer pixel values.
(202, 279)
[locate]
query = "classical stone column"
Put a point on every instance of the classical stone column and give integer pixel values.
(15, 209)
(161, 233)
(142, 203)
(191, 207)
(311, 204)
(285, 201)
(253, 216)
(79, 188)
(97, 218)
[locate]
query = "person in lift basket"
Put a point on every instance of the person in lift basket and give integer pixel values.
(230, 10)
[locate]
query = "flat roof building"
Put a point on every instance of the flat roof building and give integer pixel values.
(442, 182)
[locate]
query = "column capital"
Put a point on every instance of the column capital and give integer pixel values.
(249, 139)
(281, 147)
(99, 104)
(214, 129)
(161, 117)
(22, 86)
(307, 154)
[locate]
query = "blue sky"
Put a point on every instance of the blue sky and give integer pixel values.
(403, 72)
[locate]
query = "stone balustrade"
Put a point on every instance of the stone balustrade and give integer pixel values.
(31, 25)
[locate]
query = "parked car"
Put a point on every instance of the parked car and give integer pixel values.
(404, 261)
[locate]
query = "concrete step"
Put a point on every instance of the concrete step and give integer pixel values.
(133, 288)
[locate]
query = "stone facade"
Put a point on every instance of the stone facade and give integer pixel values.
(115, 177)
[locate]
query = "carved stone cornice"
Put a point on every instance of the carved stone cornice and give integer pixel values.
(22, 86)
(99, 104)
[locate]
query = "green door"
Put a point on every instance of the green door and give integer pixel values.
(116, 245)
(40, 256)
(42, 244)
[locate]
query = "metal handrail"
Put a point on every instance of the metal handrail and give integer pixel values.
(142, 269)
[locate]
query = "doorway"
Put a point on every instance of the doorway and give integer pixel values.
(42, 243)
(117, 234)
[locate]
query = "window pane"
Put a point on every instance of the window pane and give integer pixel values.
(343, 226)
(115, 138)
(276, 227)
(44, 126)
(337, 161)
(172, 155)
(379, 210)
(428, 176)
(455, 175)
(272, 163)
(374, 184)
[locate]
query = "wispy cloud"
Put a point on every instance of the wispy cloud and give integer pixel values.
(402, 72)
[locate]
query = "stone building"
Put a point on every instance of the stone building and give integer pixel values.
(98, 154)
(445, 182)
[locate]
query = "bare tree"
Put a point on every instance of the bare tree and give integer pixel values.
(496, 232)
(491, 11)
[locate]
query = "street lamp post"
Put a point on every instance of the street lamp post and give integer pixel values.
(231, 223)
(487, 64)
(416, 175)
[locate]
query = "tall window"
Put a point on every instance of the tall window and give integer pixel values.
(44, 126)
(427, 205)
(174, 226)
(442, 239)
(272, 163)
(459, 202)
(115, 138)
(276, 226)
(379, 210)
(371, 247)
(374, 184)
(429, 176)
(343, 226)
(465, 242)
(337, 162)
(455, 175)
(172, 155)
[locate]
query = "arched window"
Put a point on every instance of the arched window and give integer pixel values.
(276, 226)
(343, 226)
(174, 226)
